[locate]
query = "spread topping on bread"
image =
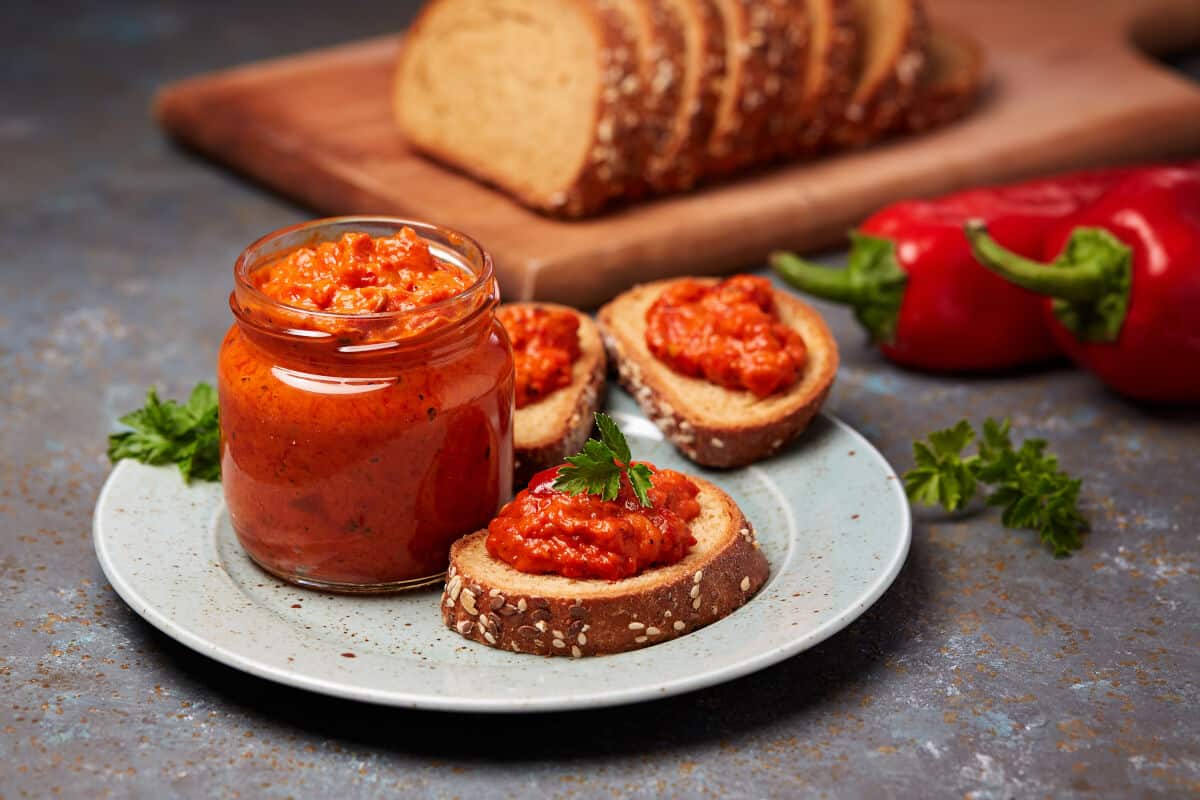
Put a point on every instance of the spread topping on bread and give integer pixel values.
(545, 346)
(727, 333)
(602, 515)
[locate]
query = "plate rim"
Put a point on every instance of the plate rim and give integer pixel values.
(702, 679)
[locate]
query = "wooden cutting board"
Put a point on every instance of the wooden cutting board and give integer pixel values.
(1069, 87)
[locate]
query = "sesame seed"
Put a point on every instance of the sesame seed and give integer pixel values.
(559, 643)
(558, 634)
(582, 638)
(522, 605)
(639, 639)
(637, 626)
(490, 639)
(679, 625)
(696, 604)
(576, 652)
(695, 592)
(652, 631)
(746, 584)
(699, 574)
(541, 625)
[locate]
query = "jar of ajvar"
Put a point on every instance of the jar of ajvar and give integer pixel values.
(366, 402)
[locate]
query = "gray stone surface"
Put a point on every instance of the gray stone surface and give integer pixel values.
(989, 669)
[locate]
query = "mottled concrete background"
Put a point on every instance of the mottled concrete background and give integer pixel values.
(988, 670)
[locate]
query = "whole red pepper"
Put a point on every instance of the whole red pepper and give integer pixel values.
(917, 288)
(1123, 291)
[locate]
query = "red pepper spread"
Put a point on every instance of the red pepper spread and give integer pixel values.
(544, 530)
(361, 274)
(545, 346)
(728, 333)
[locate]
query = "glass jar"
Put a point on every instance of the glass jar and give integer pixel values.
(355, 448)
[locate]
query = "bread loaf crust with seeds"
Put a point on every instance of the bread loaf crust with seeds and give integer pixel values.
(950, 83)
(883, 94)
(487, 601)
(754, 38)
(546, 432)
(828, 75)
(712, 425)
(607, 167)
(681, 160)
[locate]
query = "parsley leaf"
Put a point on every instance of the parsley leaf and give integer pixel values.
(170, 433)
(598, 467)
(1027, 483)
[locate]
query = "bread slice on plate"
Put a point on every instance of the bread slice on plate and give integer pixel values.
(950, 83)
(537, 97)
(677, 164)
(892, 35)
(546, 432)
(488, 601)
(710, 424)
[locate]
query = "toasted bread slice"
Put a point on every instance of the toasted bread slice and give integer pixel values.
(490, 602)
(537, 97)
(546, 432)
(712, 425)
(892, 36)
(950, 83)
(678, 163)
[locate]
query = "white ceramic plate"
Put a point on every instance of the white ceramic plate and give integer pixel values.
(830, 514)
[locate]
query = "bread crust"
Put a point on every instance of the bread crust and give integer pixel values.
(578, 618)
(879, 101)
(538, 445)
(752, 82)
(946, 91)
(828, 76)
(680, 163)
(755, 428)
(609, 162)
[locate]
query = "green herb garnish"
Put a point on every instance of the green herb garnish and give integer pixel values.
(169, 433)
(1026, 482)
(598, 467)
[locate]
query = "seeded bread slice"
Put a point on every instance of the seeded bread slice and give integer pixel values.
(534, 96)
(791, 55)
(754, 31)
(710, 424)
(677, 165)
(546, 432)
(489, 602)
(828, 76)
(892, 36)
(659, 34)
(950, 83)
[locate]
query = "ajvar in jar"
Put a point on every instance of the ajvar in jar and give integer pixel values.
(366, 402)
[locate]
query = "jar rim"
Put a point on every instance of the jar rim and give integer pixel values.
(244, 264)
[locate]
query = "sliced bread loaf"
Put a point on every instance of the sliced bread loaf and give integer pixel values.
(677, 164)
(892, 35)
(535, 96)
(710, 424)
(827, 76)
(546, 432)
(950, 83)
(488, 601)
(754, 34)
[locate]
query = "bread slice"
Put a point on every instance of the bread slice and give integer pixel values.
(950, 83)
(784, 117)
(534, 96)
(659, 34)
(546, 432)
(754, 32)
(710, 424)
(892, 36)
(828, 76)
(489, 602)
(677, 164)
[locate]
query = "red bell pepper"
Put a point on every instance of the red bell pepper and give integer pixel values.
(916, 287)
(1123, 291)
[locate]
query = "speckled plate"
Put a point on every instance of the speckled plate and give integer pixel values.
(830, 514)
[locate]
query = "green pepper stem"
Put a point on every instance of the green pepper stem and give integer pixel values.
(1080, 282)
(829, 283)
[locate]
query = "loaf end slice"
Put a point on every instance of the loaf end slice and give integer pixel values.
(951, 82)
(546, 432)
(712, 425)
(533, 96)
(489, 602)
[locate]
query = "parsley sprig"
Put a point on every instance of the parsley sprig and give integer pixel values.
(170, 433)
(597, 469)
(1026, 481)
